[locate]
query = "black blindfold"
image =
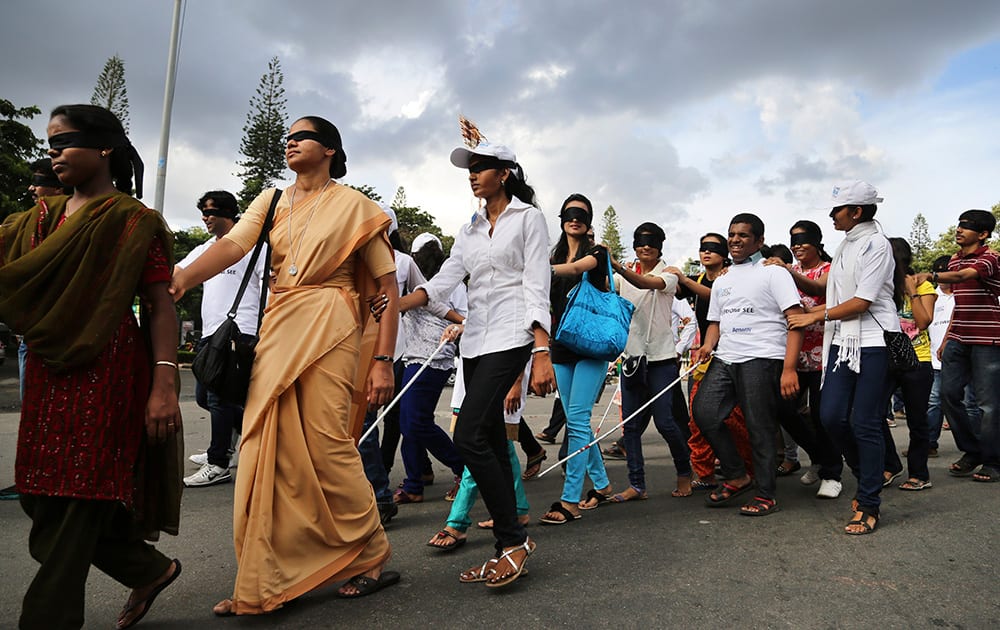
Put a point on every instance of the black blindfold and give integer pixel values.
(803, 238)
(715, 248)
(306, 134)
(574, 213)
(641, 240)
(86, 140)
(488, 163)
(975, 226)
(47, 180)
(218, 212)
(89, 140)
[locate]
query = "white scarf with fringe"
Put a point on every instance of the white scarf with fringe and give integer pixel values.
(841, 287)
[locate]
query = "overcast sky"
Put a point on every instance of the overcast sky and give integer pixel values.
(683, 113)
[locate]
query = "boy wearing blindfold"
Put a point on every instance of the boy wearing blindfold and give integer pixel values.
(971, 348)
(755, 364)
(219, 213)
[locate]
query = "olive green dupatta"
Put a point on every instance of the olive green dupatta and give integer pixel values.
(65, 290)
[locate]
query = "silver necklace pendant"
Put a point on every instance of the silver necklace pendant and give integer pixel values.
(292, 270)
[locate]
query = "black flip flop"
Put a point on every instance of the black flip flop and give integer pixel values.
(558, 508)
(148, 602)
(597, 496)
(733, 492)
(367, 585)
(452, 547)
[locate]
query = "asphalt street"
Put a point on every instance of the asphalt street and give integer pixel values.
(661, 563)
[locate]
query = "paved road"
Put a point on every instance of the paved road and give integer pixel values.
(661, 563)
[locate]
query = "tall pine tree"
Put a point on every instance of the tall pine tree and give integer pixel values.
(611, 233)
(110, 91)
(262, 146)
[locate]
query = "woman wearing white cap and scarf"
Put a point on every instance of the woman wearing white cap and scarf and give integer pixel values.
(858, 306)
(504, 250)
(422, 330)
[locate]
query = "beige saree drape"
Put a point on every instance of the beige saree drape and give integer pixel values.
(304, 513)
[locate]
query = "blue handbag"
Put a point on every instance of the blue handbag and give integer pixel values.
(595, 323)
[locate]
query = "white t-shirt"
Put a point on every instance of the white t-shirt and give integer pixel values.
(943, 307)
(749, 302)
(221, 289)
(652, 316)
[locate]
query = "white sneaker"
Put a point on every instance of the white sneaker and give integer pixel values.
(808, 478)
(202, 458)
(829, 489)
(208, 475)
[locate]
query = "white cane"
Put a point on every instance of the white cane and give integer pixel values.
(622, 423)
(401, 392)
(600, 424)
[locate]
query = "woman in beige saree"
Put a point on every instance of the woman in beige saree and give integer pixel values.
(304, 514)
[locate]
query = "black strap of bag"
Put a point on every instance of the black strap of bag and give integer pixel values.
(264, 237)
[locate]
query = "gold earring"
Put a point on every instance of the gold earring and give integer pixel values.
(104, 154)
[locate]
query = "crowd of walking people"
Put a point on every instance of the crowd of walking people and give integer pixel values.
(764, 350)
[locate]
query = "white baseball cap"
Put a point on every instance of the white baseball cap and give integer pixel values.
(422, 239)
(394, 225)
(461, 156)
(856, 193)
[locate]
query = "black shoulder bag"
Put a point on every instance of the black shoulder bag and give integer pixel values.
(902, 356)
(223, 365)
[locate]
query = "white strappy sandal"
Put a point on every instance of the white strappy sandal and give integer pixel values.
(529, 548)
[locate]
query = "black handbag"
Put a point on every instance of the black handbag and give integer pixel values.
(223, 364)
(902, 356)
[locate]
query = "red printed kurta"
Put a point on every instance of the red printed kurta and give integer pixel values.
(81, 430)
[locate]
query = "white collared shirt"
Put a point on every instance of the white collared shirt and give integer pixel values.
(649, 332)
(508, 278)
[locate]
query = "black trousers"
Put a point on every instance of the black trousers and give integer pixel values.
(481, 437)
(808, 431)
(67, 537)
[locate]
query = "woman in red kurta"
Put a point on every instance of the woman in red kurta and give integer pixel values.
(99, 402)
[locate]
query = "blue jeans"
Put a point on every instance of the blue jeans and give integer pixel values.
(915, 386)
(371, 459)
(226, 417)
(458, 517)
(579, 384)
(935, 417)
(755, 386)
(962, 364)
(636, 393)
(420, 432)
(852, 410)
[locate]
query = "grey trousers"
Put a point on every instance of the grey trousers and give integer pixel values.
(755, 386)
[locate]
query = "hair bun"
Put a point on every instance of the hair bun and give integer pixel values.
(338, 165)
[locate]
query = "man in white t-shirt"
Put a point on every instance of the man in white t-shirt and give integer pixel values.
(219, 213)
(755, 362)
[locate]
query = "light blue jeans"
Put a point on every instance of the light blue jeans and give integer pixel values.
(579, 384)
(468, 492)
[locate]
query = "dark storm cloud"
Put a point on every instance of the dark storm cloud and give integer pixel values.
(542, 64)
